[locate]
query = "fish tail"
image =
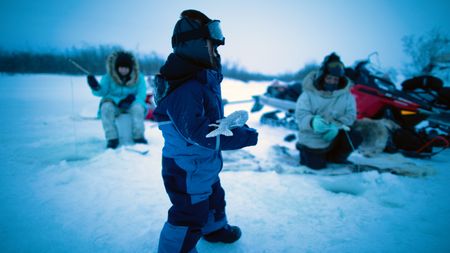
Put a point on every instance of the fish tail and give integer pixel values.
(216, 132)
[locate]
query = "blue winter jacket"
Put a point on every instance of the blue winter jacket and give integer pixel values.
(185, 115)
(112, 88)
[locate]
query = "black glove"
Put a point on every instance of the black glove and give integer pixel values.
(125, 103)
(252, 138)
(93, 82)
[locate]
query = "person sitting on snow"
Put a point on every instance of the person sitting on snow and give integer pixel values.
(188, 101)
(325, 112)
(123, 90)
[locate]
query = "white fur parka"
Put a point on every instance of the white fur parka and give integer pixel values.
(337, 106)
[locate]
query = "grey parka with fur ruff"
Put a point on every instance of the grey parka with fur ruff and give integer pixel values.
(337, 106)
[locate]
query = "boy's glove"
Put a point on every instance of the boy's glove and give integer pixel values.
(125, 103)
(93, 82)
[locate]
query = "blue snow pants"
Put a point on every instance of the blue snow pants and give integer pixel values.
(189, 217)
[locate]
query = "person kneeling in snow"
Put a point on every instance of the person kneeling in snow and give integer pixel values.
(324, 111)
(123, 90)
(189, 102)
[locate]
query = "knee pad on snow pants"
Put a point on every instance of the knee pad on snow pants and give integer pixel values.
(137, 112)
(109, 112)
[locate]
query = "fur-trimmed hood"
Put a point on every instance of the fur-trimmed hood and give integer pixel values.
(309, 85)
(111, 69)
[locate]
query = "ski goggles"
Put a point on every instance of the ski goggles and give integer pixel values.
(211, 31)
(336, 69)
(215, 32)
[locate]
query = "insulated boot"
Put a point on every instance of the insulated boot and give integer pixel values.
(227, 234)
(141, 140)
(113, 143)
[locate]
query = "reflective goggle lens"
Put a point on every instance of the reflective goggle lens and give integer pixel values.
(215, 32)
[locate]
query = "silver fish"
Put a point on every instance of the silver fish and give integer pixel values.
(234, 120)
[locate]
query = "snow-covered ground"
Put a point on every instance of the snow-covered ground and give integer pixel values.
(61, 191)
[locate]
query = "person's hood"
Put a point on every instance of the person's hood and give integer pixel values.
(309, 84)
(112, 70)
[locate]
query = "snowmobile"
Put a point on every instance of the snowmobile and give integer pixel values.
(431, 91)
(281, 96)
(378, 97)
(421, 108)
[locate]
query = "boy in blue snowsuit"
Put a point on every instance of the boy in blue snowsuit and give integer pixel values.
(188, 100)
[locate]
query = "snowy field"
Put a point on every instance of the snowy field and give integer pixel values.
(61, 191)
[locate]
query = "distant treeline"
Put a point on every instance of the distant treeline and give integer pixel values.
(93, 59)
(57, 62)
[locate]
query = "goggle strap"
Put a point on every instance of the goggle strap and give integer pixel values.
(202, 32)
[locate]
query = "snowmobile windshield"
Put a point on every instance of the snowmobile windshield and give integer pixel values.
(211, 31)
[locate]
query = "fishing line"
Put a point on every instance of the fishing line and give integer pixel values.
(73, 121)
(351, 145)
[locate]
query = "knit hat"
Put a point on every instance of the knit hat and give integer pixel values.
(332, 65)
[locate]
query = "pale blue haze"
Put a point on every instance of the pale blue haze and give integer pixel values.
(264, 36)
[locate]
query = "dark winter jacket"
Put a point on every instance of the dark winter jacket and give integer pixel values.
(185, 114)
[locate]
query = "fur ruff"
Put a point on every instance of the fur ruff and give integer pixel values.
(111, 68)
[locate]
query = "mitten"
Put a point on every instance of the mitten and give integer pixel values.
(125, 103)
(319, 125)
(93, 82)
(329, 135)
(252, 136)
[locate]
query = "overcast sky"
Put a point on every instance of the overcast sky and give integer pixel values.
(265, 36)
